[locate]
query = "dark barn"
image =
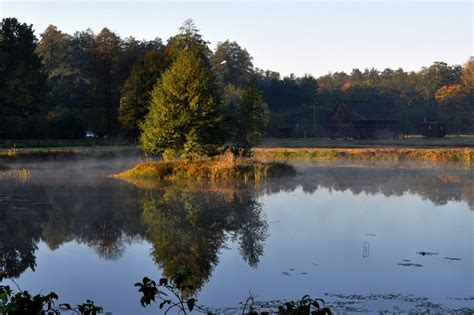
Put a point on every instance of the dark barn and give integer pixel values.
(363, 121)
(433, 129)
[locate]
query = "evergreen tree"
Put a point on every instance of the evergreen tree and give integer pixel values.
(188, 39)
(107, 52)
(184, 118)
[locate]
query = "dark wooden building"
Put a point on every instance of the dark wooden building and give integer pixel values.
(433, 129)
(363, 121)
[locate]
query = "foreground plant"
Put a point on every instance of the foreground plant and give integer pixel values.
(171, 294)
(23, 302)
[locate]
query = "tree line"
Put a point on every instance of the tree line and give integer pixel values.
(67, 86)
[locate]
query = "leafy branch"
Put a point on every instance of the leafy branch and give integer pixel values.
(23, 302)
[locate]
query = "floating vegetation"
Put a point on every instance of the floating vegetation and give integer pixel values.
(220, 168)
(285, 273)
(391, 303)
(426, 253)
(382, 154)
(410, 264)
(452, 258)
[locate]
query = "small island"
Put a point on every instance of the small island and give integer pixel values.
(201, 130)
(220, 168)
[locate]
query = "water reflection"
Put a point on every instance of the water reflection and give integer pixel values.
(57, 207)
(439, 185)
(187, 225)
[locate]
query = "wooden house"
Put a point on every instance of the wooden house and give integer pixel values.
(433, 129)
(363, 121)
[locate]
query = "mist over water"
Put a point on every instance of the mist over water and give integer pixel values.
(365, 237)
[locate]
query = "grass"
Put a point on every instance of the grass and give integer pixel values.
(221, 168)
(65, 152)
(465, 155)
(61, 143)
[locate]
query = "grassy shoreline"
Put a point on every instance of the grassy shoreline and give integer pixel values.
(465, 155)
(374, 153)
(66, 152)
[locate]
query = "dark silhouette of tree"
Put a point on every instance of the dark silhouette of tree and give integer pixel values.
(23, 88)
(248, 116)
(135, 99)
(232, 64)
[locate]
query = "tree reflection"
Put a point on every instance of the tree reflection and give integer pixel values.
(57, 212)
(188, 226)
(439, 185)
(20, 231)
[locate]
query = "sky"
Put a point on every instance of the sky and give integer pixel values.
(300, 37)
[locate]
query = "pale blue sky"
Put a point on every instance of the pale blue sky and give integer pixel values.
(312, 37)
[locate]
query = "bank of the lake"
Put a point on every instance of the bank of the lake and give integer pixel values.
(465, 155)
(38, 153)
(372, 153)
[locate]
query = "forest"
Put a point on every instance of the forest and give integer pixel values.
(63, 86)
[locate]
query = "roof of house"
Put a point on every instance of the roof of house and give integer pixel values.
(369, 111)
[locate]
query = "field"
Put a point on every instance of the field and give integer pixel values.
(410, 142)
(452, 148)
(66, 151)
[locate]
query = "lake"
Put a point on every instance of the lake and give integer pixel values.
(365, 237)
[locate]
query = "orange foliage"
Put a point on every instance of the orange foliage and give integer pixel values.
(345, 86)
(447, 91)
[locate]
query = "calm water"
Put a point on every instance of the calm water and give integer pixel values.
(347, 233)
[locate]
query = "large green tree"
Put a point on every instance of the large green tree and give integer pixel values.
(184, 118)
(135, 99)
(23, 88)
(247, 117)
